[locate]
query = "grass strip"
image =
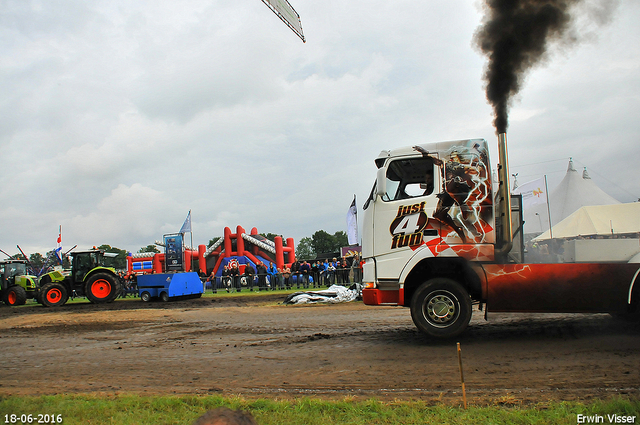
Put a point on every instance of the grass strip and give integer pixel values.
(140, 410)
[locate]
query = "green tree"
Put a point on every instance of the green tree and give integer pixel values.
(341, 239)
(323, 242)
(37, 261)
(304, 249)
(149, 248)
(270, 236)
(120, 261)
(214, 240)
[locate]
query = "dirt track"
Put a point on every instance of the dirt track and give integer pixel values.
(259, 348)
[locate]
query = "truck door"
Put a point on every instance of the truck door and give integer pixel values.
(402, 212)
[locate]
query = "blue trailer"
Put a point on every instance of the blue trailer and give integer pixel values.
(170, 285)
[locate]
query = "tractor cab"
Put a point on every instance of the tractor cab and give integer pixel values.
(85, 261)
(15, 284)
(9, 269)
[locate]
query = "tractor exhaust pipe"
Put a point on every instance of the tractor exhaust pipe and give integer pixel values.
(504, 197)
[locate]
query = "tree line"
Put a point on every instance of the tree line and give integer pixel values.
(308, 248)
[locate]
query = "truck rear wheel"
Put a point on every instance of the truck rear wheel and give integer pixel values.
(441, 308)
(145, 296)
(53, 294)
(102, 288)
(16, 295)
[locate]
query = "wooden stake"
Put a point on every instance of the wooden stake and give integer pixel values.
(464, 392)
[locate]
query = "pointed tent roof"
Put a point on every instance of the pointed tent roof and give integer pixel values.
(573, 192)
(598, 220)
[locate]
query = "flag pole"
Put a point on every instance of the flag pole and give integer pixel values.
(191, 229)
(546, 189)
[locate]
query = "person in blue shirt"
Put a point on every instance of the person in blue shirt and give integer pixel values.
(272, 271)
(305, 270)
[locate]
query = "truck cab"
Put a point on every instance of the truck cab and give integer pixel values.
(439, 233)
(428, 201)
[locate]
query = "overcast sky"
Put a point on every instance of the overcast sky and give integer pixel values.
(118, 117)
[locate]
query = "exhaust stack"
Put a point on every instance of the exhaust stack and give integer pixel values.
(504, 195)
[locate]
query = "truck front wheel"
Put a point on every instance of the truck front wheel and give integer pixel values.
(441, 308)
(102, 288)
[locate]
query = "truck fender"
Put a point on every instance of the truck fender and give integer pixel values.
(631, 287)
(418, 255)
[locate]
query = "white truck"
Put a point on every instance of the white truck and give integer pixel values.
(439, 234)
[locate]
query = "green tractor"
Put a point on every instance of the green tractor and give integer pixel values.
(88, 276)
(16, 286)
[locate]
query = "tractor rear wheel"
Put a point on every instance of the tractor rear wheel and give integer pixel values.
(53, 294)
(102, 288)
(16, 295)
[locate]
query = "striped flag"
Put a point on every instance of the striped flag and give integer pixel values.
(58, 250)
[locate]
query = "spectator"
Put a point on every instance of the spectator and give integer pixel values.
(315, 274)
(212, 279)
(235, 277)
(338, 273)
(286, 275)
(331, 272)
(262, 276)
(272, 272)
(305, 269)
(295, 272)
(226, 278)
(249, 274)
(280, 279)
(225, 416)
(345, 271)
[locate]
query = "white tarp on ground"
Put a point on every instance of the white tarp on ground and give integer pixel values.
(598, 220)
(333, 294)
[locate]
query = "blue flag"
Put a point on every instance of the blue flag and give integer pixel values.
(186, 227)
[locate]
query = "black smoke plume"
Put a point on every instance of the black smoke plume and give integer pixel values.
(514, 36)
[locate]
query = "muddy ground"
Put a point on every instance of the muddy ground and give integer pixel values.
(257, 347)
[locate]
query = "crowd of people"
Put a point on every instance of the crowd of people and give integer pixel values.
(301, 274)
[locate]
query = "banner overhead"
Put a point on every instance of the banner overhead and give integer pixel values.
(287, 14)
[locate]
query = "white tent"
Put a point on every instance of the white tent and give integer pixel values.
(573, 192)
(598, 220)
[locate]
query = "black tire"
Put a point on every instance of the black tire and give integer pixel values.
(53, 294)
(441, 308)
(15, 295)
(145, 296)
(102, 287)
(164, 297)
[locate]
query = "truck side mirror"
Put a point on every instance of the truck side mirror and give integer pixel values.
(381, 182)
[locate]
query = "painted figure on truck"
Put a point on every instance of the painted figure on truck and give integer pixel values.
(437, 236)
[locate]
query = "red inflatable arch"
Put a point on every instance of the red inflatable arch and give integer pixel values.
(252, 246)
